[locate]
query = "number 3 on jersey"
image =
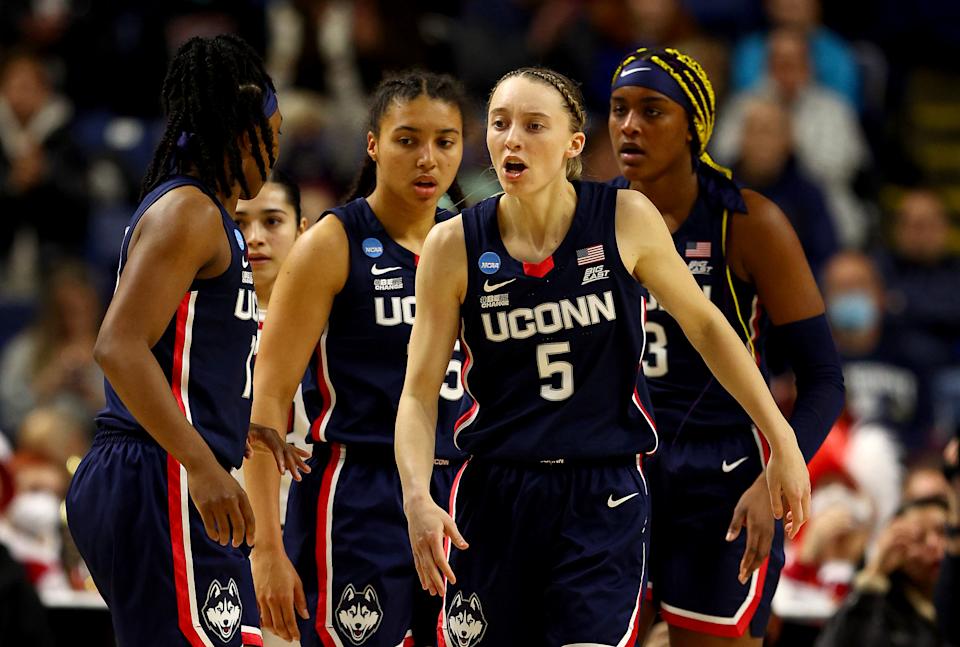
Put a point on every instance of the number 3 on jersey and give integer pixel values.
(655, 359)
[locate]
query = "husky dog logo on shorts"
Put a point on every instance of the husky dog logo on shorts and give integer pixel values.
(223, 609)
(359, 613)
(465, 622)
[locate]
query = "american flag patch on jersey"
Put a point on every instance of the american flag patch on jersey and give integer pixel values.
(699, 249)
(587, 255)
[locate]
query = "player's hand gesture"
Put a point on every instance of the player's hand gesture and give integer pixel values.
(789, 485)
(222, 504)
(279, 591)
(429, 525)
(753, 511)
(288, 456)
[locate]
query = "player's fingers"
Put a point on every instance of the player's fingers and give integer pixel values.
(776, 500)
(266, 618)
(451, 530)
(300, 600)
(209, 522)
(440, 559)
(237, 524)
(289, 620)
(796, 507)
(249, 521)
(418, 564)
(294, 462)
(223, 525)
(749, 557)
(736, 523)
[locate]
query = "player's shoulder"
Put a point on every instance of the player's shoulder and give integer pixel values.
(762, 213)
(446, 236)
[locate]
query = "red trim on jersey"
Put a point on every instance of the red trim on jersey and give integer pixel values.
(178, 341)
(452, 511)
(250, 640)
(408, 640)
(469, 413)
(718, 629)
(416, 263)
(539, 270)
(324, 503)
(175, 512)
(755, 328)
(324, 393)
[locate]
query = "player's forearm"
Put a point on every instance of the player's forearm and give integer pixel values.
(270, 410)
(728, 359)
(137, 378)
(414, 446)
(262, 483)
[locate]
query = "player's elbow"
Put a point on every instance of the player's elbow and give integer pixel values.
(109, 352)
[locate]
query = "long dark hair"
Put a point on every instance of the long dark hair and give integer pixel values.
(403, 87)
(213, 93)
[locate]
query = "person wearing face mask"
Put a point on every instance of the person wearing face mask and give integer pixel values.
(885, 384)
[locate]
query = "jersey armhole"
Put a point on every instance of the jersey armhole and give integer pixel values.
(611, 235)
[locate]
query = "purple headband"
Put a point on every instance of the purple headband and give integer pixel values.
(647, 74)
(269, 105)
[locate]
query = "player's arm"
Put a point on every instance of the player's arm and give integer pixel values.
(441, 287)
(770, 256)
(311, 276)
(178, 239)
(764, 250)
(646, 246)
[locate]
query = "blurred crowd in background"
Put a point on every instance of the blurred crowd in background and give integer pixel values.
(846, 114)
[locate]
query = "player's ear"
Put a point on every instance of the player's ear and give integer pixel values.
(372, 146)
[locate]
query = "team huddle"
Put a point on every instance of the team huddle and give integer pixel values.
(539, 421)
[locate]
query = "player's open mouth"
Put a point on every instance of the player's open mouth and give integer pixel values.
(631, 153)
(513, 168)
(425, 186)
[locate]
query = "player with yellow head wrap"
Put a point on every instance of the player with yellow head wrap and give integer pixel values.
(712, 582)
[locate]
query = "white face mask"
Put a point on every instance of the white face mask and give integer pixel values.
(35, 513)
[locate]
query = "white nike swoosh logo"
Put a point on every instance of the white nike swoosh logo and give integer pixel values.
(377, 271)
(636, 69)
(244, 262)
(613, 503)
(729, 467)
(488, 287)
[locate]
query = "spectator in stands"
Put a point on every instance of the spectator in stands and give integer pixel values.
(893, 599)
(834, 64)
(884, 384)
(43, 186)
(23, 620)
(52, 360)
(766, 163)
(830, 145)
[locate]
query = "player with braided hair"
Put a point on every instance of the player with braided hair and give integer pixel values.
(543, 284)
(712, 582)
(341, 572)
(153, 509)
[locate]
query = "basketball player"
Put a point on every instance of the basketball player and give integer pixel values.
(346, 298)
(713, 582)
(152, 507)
(543, 283)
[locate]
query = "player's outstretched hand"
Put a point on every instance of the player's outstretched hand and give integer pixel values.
(279, 591)
(789, 483)
(428, 525)
(753, 511)
(289, 457)
(222, 505)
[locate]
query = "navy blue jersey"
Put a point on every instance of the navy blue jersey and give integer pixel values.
(206, 351)
(683, 389)
(361, 358)
(553, 349)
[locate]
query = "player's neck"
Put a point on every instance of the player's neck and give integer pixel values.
(534, 224)
(673, 193)
(405, 222)
(263, 293)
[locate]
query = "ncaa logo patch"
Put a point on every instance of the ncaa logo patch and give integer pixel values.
(359, 613)
(489, 262)
(239, 236)
(222, 610)
(465, 622)
(372, 247)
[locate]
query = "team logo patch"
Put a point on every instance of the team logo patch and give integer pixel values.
(699, 267)
(223, 609)
(465, 622)
(239, 236)
(588, 255)
(359, 613)
(489, 262)
(594, 273)
(372, 247)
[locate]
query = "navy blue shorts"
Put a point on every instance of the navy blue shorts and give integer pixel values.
(557, 555)
(695, 483)
(346, 535)
(165, 581)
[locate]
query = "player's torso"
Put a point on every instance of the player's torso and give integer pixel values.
(683, 389)
(206, 351)
(361, 359)
(553, 350)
